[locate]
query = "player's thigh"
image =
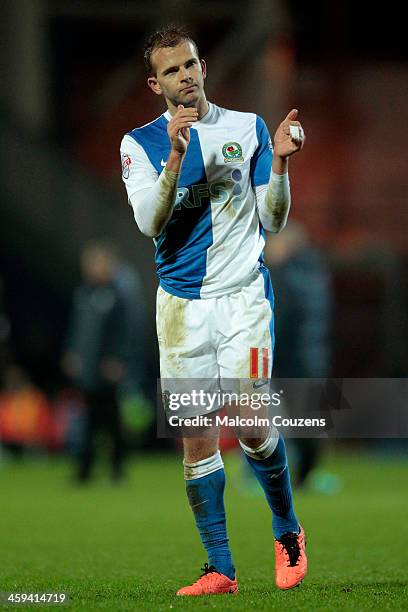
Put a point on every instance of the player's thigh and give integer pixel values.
(246, 348)
(184, 338)
(188, 362)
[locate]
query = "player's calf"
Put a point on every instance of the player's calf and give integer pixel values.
(205, 483)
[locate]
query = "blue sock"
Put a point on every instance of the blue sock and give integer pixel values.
(206, 497)
(274, 477)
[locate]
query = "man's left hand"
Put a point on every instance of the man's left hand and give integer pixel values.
(287, 141)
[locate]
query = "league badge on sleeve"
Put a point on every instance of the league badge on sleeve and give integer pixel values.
(126, 162)
(232, 152)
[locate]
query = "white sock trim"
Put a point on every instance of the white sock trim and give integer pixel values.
(201, 468)
(264, 450)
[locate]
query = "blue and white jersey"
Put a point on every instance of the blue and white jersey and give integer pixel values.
(213, 242)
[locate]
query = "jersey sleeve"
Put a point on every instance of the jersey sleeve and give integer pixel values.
(261, 162)
(152, 196)
(272, 191)
(138, 173)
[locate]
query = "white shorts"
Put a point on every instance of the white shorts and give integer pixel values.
(227, 337)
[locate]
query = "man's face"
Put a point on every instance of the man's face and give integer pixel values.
(97, 266)
(179, 73)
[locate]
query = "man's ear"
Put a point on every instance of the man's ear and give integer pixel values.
(154, 85)
(203, 68)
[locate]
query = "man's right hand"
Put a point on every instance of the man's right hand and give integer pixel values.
(178, 128)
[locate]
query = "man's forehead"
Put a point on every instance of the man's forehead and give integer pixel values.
(164, 57)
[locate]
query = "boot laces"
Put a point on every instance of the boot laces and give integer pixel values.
(290, 545)
(208, 569)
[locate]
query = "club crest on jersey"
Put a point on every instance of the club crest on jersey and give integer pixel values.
(232, 152)
(126, 162)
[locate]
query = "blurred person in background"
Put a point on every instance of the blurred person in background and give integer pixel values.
(137, 409)
(99, 350)
(129, 285)
(303, 313)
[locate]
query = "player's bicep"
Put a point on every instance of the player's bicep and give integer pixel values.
(138, 173)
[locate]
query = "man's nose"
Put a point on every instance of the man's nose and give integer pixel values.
(185, 75)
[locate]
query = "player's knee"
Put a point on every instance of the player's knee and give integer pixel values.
(252, 442)
(203, 467)
(200, 446)
(260, 449)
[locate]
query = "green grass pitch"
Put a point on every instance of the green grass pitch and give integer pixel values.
(130, 547)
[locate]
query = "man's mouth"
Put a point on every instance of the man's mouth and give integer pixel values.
(187, 89)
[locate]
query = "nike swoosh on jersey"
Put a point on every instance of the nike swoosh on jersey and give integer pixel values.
(163, 163)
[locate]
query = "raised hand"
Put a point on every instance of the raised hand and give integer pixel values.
(178, 128)
(289, 137)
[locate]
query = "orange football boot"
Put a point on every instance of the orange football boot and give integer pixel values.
(290, 559)
(210, 583)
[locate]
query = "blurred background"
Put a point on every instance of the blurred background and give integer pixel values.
(72, 83)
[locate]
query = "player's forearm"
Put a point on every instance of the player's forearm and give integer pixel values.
(175, 161)
(273, 202)
(153, 207)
